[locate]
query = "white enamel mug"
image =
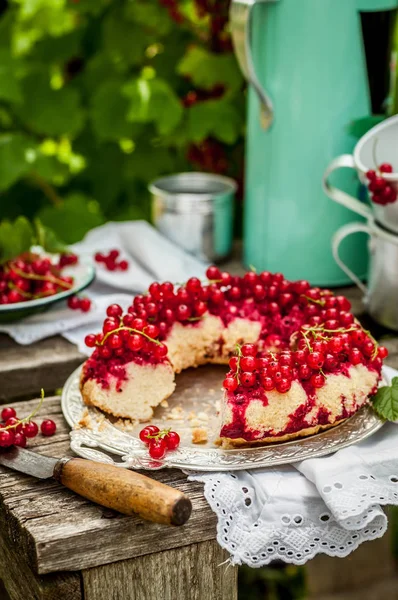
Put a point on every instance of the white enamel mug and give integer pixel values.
(381, 293)
(381, 140)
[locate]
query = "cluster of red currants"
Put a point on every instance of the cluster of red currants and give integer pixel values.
(381, 191)
(318, 351)
(31, 276)
(122, 335)
(14, 431)
(159, 442)
(110, 261)
(77, 303)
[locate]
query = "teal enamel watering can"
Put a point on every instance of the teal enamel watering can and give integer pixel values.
(306, 65)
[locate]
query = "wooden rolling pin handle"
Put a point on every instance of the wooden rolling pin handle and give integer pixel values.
(123, 490)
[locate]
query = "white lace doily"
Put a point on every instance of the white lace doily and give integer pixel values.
(292, 513)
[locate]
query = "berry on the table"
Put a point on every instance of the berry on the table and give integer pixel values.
(172, 440)
(7, 437)
(19, 440)
(14, 424)
(150, 430)
(7, 413)
(73, 302)
(157, 448)
(85, 304)
(30, 429)
(48, 427)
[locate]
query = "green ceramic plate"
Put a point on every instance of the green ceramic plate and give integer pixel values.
(83, 276)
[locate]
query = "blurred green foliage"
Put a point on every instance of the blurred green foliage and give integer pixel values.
(276, 582)
(98, 97)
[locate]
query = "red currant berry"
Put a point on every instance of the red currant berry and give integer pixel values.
(286, 358)
(318, 380)
(335, 345)
(152, 330)
(386, 168)
(8, 413)
(20, 440)
(300, 356)
(30, 429)
(193, 285)
(371, 174)
(248, 379)
(346, 318)
(161, 351)
(123, 265)
(315, 360)
(138, 324)
(114, 310)
(283, 385)
(248, 363)
(233, 363)
(268, 383)
(330, 363)
(41, 266)
(183, 296)
(114, 254)
(104, 352)
(110, 324)
(355, 356)
(90, 340)
(230, 384)
(85, 304)
(15, 424)
(262, 362)
(249, 350)
(48, 427)
(147, 431)
(213, 273)
(286, 371)
(167, 289)
(155, 290)
(183, 312)
(304, 372)
(99, 257)
(135, 342)
(382, 352)
(368, 348)
(7, 437)
(172, 440)
(250, 278)
(234, 293)
(200, 308)
(157, 449)
(225, 278)
(115, 341)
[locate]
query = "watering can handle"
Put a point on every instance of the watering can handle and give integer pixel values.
(347, 161)
(240, 23)
(338, 237)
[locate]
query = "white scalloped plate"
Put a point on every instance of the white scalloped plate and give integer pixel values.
(106, 442)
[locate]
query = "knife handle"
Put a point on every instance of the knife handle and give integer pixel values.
(124, 491)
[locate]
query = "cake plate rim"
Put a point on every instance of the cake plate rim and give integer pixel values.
(104, 442)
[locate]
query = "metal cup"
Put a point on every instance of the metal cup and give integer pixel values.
(195, 210)
(381, 293)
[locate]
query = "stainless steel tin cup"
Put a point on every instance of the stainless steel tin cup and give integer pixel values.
(381, 293)
(195, 210)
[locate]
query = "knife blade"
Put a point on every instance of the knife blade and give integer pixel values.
(117, 488)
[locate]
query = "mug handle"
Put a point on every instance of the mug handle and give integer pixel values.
(338, 237)
(343, 161)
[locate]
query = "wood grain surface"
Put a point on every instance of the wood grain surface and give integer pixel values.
(193, 572)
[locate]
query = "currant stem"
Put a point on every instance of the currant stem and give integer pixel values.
(102, 342)
(51, 278)
(29, 417)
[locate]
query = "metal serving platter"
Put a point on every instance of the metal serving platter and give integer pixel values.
(193, 405)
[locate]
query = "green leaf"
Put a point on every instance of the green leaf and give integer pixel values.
(206, 69)
(148, 15)
(108, 112)
(73, 218)
(104, 175)
(47, 239)
(153, 100)
(48, 111)
(148, 162)
(385, 401)
(216, 118)
(123, 40)
(13, 163)
(15, 238)
(10, 89)
(359, 127)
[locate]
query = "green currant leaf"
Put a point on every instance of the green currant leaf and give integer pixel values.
(108, 112)
(73, 218)
(385, 401)
(216, 118)
(153, 100)
(53, 112)
(15, 238)
(123, 40)
(206, 69)
(47, 239)
(10, 89)
(13, 158)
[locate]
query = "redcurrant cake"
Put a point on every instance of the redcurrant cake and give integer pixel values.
(299, 361)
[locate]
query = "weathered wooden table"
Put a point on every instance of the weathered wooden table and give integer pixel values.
(56, 545)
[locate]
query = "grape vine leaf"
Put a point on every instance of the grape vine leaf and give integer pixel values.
(206, 69)
(48, 111)
(385, 401)
(216, 118)
(15, 238)
(153, 100)
(73, 218)
(13, 163)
